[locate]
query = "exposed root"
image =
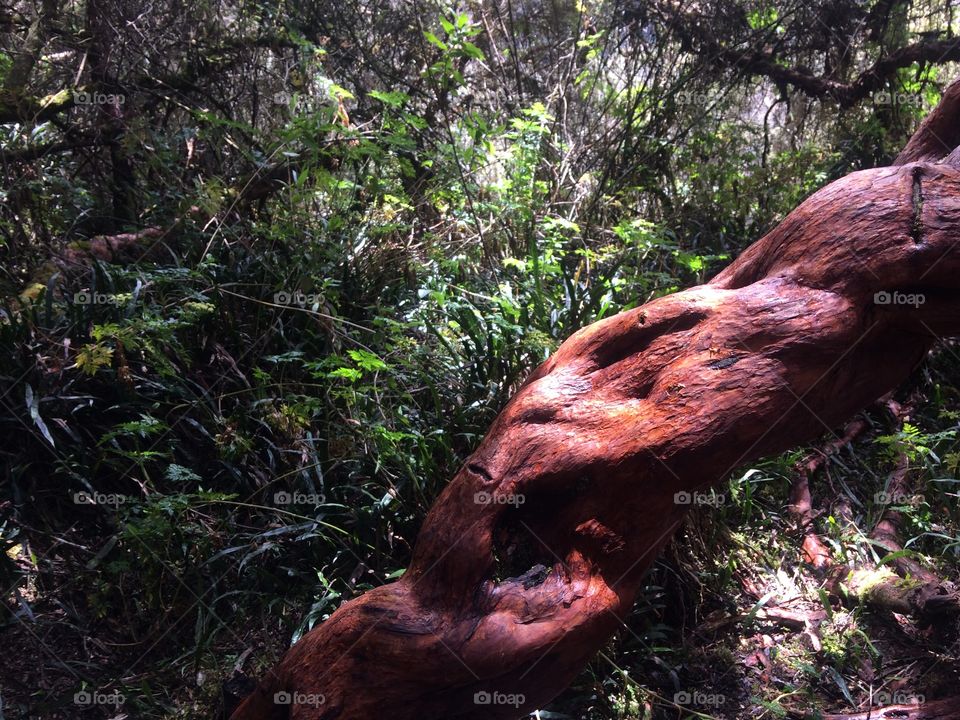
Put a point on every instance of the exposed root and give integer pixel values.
(815, 552)
(902, 585)
(947, 709)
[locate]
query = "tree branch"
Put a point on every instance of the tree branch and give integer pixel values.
(763, 61)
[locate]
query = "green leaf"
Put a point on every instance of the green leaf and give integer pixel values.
(759, 604)
(341, 93)
(146, 426)
(896, 556)
(434, 40)
(367, 360)
(473, 51)
(180, 474)
(841, 683)
(351, 374)
(393, 99)
(91, 358)
(825, 601)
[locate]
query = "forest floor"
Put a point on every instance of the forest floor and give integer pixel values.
(734, 622)
(769, 648)
(738, 625)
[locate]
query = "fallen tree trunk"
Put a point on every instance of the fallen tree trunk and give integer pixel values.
(533, 554)
(935, 710)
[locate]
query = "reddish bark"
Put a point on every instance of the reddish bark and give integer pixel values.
(801, 505)
(785, 343)
(948, 709)
(886, 533)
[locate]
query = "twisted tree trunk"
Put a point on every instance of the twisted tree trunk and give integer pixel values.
(534, 553)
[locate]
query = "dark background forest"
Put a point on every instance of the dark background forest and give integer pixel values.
(268, 272)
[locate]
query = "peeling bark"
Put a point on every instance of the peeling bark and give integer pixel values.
(502, 597)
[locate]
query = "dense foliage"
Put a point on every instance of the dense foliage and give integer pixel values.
(269, 272)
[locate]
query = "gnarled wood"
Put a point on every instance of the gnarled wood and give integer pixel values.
(507, 600)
